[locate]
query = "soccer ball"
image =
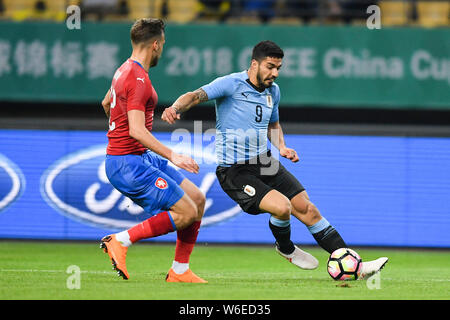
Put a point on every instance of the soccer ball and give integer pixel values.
(344, 264)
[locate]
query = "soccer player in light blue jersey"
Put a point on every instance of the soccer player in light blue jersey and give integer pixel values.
(247, 105)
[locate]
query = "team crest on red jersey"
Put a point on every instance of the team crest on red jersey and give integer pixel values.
(161, 183)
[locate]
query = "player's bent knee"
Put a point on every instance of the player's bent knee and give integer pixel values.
(283, 210)
(190, 213)
(199, 199)
(312, 212)
(195, 195)
(184, 212)
(185, 219)
(201, 206)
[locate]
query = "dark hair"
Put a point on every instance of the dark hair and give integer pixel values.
(266, 49)
(145, 29)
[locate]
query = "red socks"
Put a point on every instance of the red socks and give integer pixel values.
(155, 226)
(161, 224)
(186, 241)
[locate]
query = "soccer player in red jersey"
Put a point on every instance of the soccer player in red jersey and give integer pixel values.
(137, 163)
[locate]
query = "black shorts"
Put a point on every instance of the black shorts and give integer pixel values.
(247, 184)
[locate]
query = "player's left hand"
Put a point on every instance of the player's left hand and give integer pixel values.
(289, 153)
(170, 115)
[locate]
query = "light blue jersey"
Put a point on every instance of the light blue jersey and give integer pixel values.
(242, 117)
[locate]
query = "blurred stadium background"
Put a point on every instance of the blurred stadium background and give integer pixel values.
(367, 110)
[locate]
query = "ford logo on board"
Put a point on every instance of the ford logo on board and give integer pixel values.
(77, 186)
(12, 182)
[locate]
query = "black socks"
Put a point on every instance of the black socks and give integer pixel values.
(282, 235)
(326, 236)
(329, 239)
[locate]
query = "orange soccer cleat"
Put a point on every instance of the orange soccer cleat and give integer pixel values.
(188, 276)
(117, 253)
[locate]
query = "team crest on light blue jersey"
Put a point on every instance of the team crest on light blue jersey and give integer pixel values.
(269, 101)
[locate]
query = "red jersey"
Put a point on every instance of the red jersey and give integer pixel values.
(131, 89)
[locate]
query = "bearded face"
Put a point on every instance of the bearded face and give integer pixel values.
(267, 71)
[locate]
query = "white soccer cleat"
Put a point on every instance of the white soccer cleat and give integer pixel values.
(300, 258)
(369, 268)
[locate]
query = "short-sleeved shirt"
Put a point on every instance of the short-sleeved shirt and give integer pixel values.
(242, 117)
(131, 89)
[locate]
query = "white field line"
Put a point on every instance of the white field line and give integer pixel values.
(53, 271)
(148, 273)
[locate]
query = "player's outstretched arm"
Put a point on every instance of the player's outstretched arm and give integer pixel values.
(183, 104)
(106, 103)
(138, 131)
(276, 137)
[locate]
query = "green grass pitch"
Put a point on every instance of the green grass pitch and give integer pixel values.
(38, 270)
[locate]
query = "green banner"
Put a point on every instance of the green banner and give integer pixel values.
(323, 66)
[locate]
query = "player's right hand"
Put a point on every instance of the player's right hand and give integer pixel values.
(184, 162)
(170, 115)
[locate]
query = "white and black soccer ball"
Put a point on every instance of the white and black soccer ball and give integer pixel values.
(344, 264)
